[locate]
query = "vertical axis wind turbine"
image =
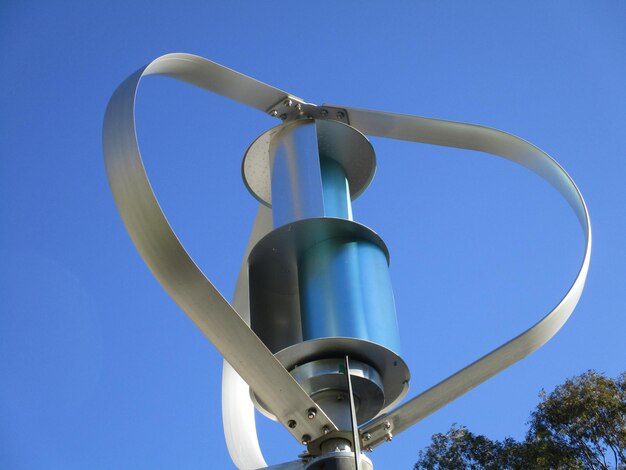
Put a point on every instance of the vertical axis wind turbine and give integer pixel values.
(311, 338)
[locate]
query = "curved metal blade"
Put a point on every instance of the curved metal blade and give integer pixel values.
(166, 257)
(237, 408)
(510, 147)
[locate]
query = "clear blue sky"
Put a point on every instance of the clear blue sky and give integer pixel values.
(100, 369)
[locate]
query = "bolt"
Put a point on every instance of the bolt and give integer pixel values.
(288, 102)
(311, 413)
(387, 425)
(325, 429)
(306, 439)
(341, 114)
(389, 437)
(274, 113)
(299, 107)
(367, 436)
(324, 112)
(292, 424)
(283, 116)
(369, 449)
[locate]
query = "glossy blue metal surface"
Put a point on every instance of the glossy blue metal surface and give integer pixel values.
(335, 189)
(345, 291)
(343, 283)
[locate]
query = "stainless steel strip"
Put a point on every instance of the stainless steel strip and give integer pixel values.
(166, 257)
(238, 418)
(510, 147)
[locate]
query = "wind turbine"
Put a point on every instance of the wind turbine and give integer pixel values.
(311, 337)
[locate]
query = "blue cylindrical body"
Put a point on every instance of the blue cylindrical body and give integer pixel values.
(345, 287)
(344, 284)
(335, 190)
(345, 291)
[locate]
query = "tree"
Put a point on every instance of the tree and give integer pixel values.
(580, 425)
(587, 414)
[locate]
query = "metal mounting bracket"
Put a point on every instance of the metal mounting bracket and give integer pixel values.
(291, 108)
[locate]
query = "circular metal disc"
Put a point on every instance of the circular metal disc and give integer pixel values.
(393, 370)
(335, 140)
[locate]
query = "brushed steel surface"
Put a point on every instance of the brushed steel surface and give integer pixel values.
(176, 271)
(510, 147)
(392, 369)
(335, 140)
(274, 291)
(238, 417)
(349, 147)
(296, 174)
(166, 257)
(329, 375)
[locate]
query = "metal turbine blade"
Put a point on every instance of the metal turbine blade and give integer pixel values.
(168, 260)
(510, 147)
(237, 407)
(246, 356)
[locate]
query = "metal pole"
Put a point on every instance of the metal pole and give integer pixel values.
(355, 429)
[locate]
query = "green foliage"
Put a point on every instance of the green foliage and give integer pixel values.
(580, 425)
(587, 416)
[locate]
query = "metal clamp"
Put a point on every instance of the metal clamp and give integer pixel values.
(291, 108)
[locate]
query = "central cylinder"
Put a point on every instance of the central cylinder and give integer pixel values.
(345, 291)
(320, 288)
(344, 283)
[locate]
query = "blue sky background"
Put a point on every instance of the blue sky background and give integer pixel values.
(100, 369)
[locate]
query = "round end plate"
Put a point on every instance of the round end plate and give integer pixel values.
(341, 142)
(392, 370)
